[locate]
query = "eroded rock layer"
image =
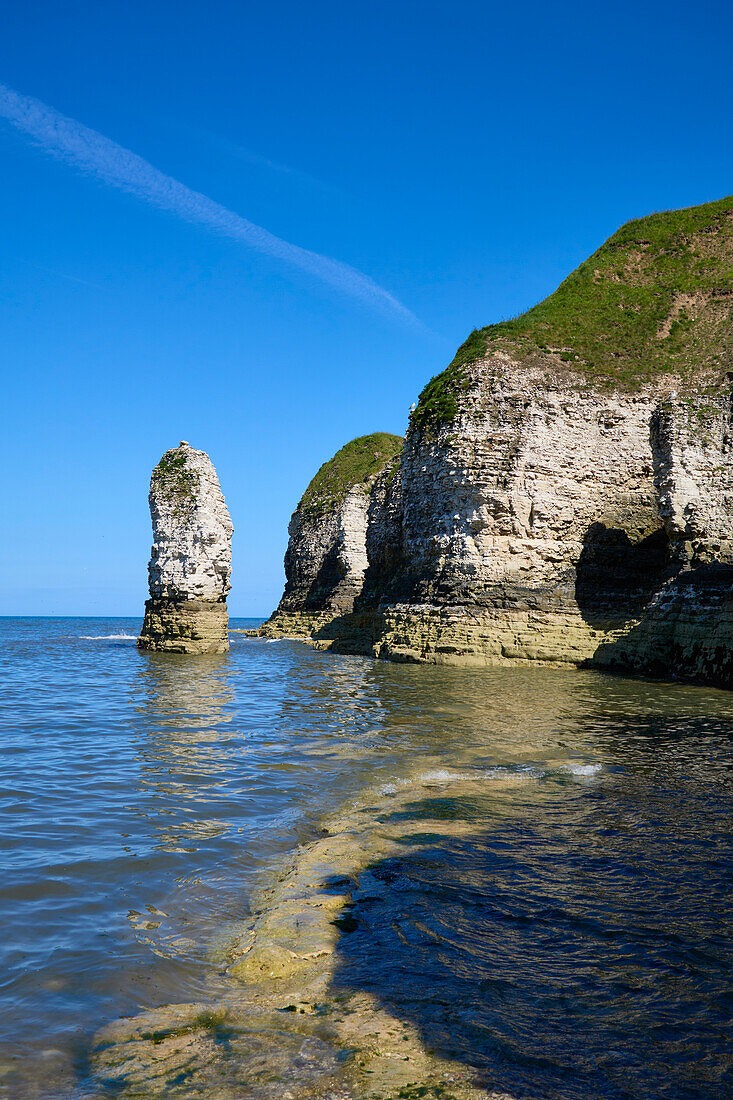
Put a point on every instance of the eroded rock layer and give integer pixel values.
(565, 492)
(190, 563)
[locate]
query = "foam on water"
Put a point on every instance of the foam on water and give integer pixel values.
(582, 771)
(444, 777)
(108, 637)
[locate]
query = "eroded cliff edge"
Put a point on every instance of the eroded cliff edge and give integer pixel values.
(565, 491)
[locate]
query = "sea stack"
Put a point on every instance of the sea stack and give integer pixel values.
(191, 559)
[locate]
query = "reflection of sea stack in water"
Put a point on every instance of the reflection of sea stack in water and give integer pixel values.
(191, 560)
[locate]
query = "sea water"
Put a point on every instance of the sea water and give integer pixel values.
(567, 932)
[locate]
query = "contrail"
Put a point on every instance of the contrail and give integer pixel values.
(98, 156)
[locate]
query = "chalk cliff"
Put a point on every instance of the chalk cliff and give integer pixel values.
(190, 563)
(565, 491)
(326, 557)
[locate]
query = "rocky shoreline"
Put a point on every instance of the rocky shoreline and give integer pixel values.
(288, 1025)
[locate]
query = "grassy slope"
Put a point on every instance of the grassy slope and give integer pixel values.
(656, 298)
(353, 464)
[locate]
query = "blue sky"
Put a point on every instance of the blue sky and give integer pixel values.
(459, 158)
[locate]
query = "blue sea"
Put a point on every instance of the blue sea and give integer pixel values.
(579, 924)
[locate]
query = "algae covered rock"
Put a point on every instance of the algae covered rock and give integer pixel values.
(190, 564)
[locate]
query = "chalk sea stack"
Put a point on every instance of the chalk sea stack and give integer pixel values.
(191, 559)
(565, 490)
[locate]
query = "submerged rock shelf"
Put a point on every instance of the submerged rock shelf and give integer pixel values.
(297, 1021)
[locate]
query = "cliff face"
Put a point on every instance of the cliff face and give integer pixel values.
(191, 558)
(547, 523)
(565, 489)
(326, 557)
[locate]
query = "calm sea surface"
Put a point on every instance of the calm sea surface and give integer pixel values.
(582, 934)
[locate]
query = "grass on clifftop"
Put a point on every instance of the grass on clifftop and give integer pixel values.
(656, 298)
(355, 463)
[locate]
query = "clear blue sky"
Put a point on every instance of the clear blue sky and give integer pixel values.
(462, 156)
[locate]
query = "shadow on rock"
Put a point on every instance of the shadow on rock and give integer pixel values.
(616, 577)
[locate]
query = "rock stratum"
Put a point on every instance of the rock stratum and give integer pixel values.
(191, 558)
(565, 489)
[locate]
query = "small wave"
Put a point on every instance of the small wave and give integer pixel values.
(444, 777)
(426, 779)
(582, 771)
(108, 637)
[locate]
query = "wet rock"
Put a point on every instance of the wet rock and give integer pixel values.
(289, 1025)
(190, 564)
(224, 1051)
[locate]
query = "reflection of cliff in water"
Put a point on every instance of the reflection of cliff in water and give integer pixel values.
(188, 695)
(185, 717)
(336, 695)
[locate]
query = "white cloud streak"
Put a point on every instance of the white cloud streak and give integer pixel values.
(98, 156)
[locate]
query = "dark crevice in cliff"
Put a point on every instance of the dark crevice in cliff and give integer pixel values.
(683, 633)
(320, 592)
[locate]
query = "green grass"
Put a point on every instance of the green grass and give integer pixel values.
(438, 402)
(352, 465)
(619, 319)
